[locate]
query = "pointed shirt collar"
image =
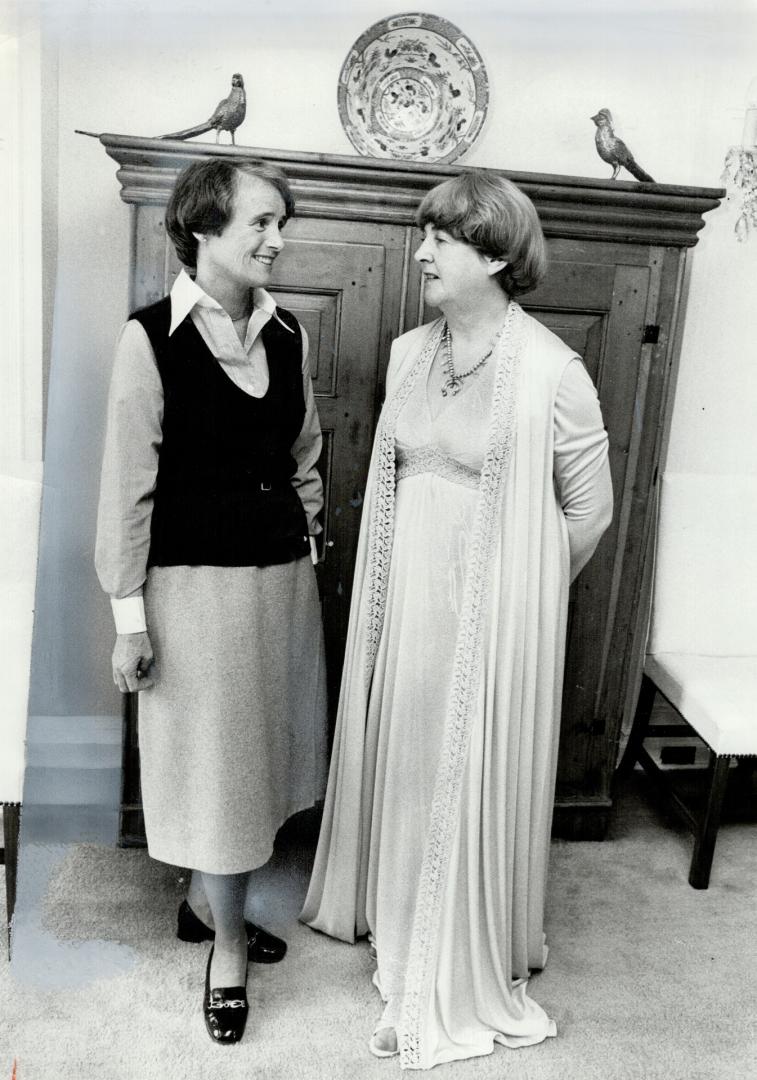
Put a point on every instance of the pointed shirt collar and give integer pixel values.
(187, 294)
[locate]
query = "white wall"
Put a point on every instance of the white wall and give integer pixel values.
(714, 428)
(673, 74)
(20, 374)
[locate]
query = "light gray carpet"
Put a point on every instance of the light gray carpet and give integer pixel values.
(647, 978)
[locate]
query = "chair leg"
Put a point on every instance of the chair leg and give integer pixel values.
(704, 845)
(647, 694)
(11, 825)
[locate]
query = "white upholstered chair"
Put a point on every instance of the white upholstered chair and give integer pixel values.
(702, 645)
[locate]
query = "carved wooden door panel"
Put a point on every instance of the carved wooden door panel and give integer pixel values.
(333, 281)
(600, 299)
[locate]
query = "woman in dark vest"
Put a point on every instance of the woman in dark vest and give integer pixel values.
(208, 506)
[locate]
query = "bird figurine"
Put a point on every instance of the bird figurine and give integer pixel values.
(228, 114)
(613, 150)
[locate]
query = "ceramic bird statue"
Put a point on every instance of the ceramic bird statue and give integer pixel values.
(613, 150)
(228, 114)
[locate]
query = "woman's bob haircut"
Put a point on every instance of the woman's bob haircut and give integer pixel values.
(492, 214)
(202, 200)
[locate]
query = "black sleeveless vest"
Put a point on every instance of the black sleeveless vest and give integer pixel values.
(223, 495)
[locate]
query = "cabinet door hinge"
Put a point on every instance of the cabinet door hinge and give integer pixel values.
(651, 335)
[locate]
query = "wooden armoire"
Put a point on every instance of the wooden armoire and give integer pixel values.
(614, 293)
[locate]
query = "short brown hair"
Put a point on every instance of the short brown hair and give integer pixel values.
(202, 200)
(486, 210)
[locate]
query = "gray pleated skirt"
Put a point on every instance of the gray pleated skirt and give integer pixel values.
(232, 736)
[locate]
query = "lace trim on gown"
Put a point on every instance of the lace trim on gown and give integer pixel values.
(429, 459)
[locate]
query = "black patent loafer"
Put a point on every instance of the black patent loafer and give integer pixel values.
(225, 1009)
(262, 947)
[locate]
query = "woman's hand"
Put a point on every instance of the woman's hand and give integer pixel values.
(133, 660)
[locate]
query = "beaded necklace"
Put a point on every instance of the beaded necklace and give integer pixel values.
(454, 381)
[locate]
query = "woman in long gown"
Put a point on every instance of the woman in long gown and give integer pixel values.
(488, 492)
(208, 506)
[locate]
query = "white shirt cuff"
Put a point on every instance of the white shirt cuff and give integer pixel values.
(129, 615)
(313, 551)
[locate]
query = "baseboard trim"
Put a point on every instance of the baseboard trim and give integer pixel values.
(585, 820)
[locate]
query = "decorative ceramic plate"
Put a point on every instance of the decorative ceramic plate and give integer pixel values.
(413, 87)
